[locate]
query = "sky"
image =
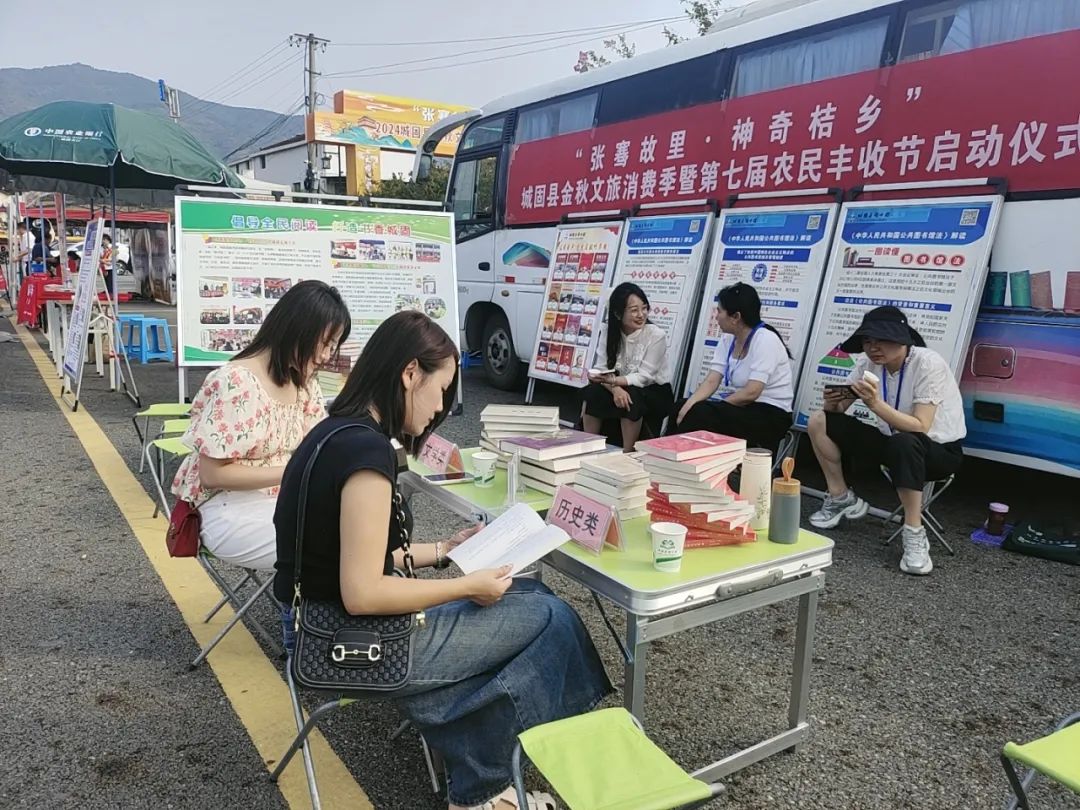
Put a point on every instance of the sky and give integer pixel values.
(211, 49)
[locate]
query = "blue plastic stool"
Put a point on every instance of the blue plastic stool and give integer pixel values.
(155, 342)
(130, 321)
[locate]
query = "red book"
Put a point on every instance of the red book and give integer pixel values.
(696, 444)
(680, 513)
(698, 538)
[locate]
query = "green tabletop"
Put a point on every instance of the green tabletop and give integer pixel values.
(633, 568)
(490, 498)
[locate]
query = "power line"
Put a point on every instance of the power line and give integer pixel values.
(290, 62)
(272, 127)
(539, 38)
(500, 37)
(203, 98)
(362, 74)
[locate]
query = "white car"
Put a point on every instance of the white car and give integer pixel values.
(123, 255)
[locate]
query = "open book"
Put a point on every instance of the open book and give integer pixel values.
(518, 537)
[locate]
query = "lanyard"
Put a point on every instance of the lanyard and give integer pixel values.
(899, 387)
(730, 351)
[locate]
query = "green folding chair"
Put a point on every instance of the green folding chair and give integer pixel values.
(1057, 756)
(603, 761)
(160, 410)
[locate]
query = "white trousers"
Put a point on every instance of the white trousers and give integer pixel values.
(238, 528)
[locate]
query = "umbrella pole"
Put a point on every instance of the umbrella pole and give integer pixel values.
(114, 305)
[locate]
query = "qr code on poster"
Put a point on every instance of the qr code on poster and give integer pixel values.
(969, 216)
(813, 222)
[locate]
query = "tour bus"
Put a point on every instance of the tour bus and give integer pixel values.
(784, 95)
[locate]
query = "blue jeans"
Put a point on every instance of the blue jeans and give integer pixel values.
(483, 675)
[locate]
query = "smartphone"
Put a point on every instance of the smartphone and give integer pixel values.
(845, 391)
(442, 479)
(600, 372)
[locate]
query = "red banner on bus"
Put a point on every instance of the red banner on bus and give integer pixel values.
(1010, 110)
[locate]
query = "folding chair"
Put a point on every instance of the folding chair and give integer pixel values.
(931, 492)
(1057, 756)
(603, 761)
(231, 594)
(304, 729)
(160, 410)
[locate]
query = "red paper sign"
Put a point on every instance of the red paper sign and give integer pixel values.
(589, 523)
(1010, 110)
(441, 455)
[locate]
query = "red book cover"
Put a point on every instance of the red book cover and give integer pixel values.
(696, 444)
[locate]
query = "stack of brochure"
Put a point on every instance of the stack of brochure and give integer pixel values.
(688, 476)
(616, 480)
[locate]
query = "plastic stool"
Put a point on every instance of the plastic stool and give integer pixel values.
(129, 321)
(155, 342)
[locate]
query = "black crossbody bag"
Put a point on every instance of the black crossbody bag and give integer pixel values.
(336, 650)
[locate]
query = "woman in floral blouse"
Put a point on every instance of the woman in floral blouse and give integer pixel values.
(248, 418)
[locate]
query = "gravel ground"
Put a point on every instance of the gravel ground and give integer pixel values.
(916, 682)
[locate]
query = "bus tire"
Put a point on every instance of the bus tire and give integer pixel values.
(501, 365)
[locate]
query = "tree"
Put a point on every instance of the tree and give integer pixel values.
(431, 188)
(702, 13)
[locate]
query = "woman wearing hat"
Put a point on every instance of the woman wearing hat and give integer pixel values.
(920, 423)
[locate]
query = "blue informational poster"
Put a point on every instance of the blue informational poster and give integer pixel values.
(665, 256)
(781, 251)
(928, 257)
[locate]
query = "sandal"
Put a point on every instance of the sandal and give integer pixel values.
(538, 800)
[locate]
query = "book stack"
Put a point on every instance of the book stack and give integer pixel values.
(688, 485)
(498, 422)
(615, 480)
(551, 460)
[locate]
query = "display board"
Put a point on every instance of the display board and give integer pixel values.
(235, 259)
(582, 265)
(83, 301)
(926, 256)
(782, 252)
(665, 256)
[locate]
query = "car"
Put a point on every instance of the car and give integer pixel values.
(123, 255)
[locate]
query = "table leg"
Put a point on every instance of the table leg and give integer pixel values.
(634, 668)
(804, 651)
(56, 346)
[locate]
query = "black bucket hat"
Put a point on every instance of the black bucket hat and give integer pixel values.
(883, 323)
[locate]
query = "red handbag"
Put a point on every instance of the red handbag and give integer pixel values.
(185, 526)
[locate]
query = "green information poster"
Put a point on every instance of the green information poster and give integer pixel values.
(236, 259)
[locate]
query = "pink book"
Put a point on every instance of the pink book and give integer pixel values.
(561, 444)
(687, 446)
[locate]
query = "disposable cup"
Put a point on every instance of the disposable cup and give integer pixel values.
(484, 467)
(668, 540)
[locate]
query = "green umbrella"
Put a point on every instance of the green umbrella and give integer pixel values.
(105, 145)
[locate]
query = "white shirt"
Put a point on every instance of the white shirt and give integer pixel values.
(927, 379)
(642, 358)
(766, 362)
(26, 243)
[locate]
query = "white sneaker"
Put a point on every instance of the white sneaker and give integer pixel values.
(849, 505)
(916, 559)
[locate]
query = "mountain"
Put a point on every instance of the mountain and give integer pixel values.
(219, 127)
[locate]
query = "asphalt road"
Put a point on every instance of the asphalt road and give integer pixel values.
(916, 683)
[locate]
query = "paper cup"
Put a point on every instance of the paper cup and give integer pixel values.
(484, 467)
(668, 540)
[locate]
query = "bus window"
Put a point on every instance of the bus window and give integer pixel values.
(672, 87)
(925, 30)
(980, 23)
(831, 53)
(557, 118)
(483, 133)
(474, 195)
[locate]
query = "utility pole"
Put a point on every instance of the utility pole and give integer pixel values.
(312, 181)
(171, 98)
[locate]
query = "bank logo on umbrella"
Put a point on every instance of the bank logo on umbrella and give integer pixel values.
(32, 132)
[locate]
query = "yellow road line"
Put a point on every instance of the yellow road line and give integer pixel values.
(251, 682)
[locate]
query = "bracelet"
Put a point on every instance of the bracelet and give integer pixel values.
(440, 561)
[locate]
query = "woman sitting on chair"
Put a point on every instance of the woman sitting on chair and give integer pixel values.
(753, 366)
(496, 655)
(637, 384)
(920, 422)
(250, 415)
